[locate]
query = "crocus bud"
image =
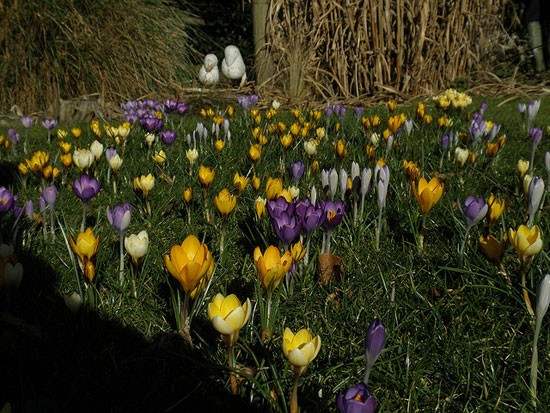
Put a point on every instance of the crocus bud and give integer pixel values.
(536, 191)
(313, 195)
(374, 343)
(50, 194)
(73, 302)
(333, 182)
(366, 176)
(543, 296)
(343, 182)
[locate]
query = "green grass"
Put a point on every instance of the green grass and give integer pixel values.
(458, 338)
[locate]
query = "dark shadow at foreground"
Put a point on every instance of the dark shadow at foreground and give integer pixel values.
(55, 361)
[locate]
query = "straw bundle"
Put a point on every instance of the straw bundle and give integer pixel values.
(349, 48)
(59, 49)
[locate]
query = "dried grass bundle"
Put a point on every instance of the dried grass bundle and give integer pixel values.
(349, 48)
(61, 49)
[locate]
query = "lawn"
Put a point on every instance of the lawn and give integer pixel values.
(459, 335)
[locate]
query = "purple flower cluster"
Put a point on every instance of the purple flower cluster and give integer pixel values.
(145, 112)
(246, 102)
(338, 109)
(289, 219)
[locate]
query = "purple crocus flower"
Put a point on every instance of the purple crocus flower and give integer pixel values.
(374, 342)
(278, 206)
(170, 105)
(313, 218)
(119, 217)
(86, 188)
(333, 212)
(6, 200)
(356, 399)
(243, 102)
(297, 169)
(483, 108)
(168, 137)
(474, 210)
(287, 227)
(26, 121)
(358, 111)
(253, 100)
(109, 153)
(29, 209)
(445, 140)
(42, 204)
(533, 109)
(13, 135)
(151, 123)
(49, 123)
(535, 134)
(50, 194)
(182, 108)
(339, 110)
(328, 112)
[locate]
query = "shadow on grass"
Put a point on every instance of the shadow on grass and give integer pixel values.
(55, 361)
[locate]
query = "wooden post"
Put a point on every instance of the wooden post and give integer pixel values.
(264, 63)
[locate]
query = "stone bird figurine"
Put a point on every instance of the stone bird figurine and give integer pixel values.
(209, 73)
(233, 66)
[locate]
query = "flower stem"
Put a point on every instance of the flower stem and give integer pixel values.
(379, 228)
(52, 227)
(232, 378)
(121, 267)
(83, 225)
(294, 395)
(461, 250)
(421, 233)
(535, 362)
(525, 292)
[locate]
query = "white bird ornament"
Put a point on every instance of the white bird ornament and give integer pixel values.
(209, 73)
(233, 66)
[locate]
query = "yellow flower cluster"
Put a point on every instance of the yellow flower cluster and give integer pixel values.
(452, 98)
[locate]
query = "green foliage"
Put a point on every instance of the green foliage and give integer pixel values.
(459, 337)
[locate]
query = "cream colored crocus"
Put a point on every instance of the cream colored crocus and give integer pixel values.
(137, 246)
(310, 147)
(96, 148)
(228, 316)
(83, 159)
(115, 162)
(300, 349)
(461, 156)
(150, 139)
(294, 191)
(192, 155)
(124, 130)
